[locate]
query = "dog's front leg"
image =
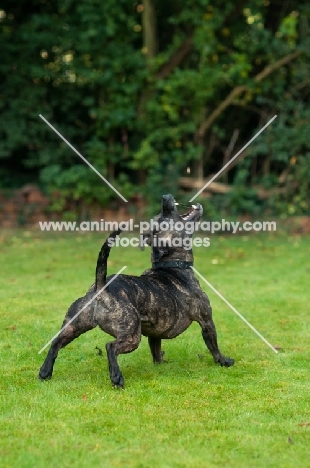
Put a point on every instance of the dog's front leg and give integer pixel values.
(155, 347)
(209, 334)
(210, 338)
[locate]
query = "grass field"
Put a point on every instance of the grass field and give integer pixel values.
(185, 413)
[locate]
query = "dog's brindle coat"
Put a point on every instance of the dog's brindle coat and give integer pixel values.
(160, 304)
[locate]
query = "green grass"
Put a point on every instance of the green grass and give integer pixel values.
(186, 413)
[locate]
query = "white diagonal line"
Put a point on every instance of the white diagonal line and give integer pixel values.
(231, 160)
(235, 310)
(86, 305)
(82, 157)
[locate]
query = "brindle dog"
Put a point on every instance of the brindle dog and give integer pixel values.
(159, 304)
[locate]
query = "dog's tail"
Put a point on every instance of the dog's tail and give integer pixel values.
(101, 269)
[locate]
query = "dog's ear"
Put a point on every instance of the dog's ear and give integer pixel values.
(146, 239)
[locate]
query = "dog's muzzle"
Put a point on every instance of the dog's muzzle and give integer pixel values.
(172, 264)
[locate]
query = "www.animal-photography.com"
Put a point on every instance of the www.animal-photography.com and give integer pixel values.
(154, 234)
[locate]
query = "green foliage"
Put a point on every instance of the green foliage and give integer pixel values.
(83, 66)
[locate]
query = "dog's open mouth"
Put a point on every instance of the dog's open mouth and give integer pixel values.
(169, 205)
(195, 212)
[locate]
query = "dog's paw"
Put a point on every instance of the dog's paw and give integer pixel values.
(118, 381)
(42, 376)
(227, 362)
(159, 359)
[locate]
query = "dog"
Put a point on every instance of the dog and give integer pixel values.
(160, 304)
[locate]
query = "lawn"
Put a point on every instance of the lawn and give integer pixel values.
(187, 412)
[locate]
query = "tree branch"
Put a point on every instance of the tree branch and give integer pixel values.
(167, 68)
(227, 101)
(240, 89)
(186, 46)
(149, 28)
(175, 60)
(274, 66)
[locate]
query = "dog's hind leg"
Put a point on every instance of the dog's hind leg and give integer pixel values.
(125, 342)
(155, 347)
(79, 325)
(210, 337)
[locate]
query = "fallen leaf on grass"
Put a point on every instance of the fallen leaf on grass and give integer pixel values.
(84, 397)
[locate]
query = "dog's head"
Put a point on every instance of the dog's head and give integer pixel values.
(171, 236)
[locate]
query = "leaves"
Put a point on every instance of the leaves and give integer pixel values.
(83, 66)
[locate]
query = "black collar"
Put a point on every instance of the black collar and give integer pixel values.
(173, 264)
